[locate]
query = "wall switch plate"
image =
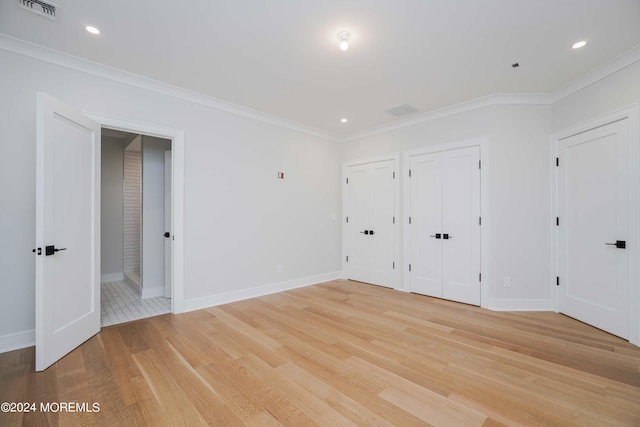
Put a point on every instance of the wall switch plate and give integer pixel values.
(507, 282)
(280, 268)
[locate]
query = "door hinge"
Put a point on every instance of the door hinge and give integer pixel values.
(409, 267)
(479, 164)
(479, 277)
(347, 258)
(394, 174)
(347, 180)
(409, 220)
(557, 281)
(409, 173)
(557, 161)
(557, 220)
(394, 265)
(479, 220)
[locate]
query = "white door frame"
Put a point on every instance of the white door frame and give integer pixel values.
(177, 191)
(483, 143)
(630, 113)
(396, 209)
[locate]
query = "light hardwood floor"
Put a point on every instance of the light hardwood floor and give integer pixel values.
(339, 353)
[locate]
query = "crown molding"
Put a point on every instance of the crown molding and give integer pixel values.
(474, 104)
(616, 64)
(66, 60)
(56, 57)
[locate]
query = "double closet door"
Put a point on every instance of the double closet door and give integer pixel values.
(444, 228)
(370, 222)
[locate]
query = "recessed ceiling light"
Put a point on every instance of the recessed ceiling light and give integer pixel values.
(92, 30)
(343, 120)
(579, 44)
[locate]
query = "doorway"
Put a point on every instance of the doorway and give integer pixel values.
(136, 280)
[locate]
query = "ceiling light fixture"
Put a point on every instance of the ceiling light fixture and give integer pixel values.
(344, 36)
(92, 30)
(343, 120)
(579, 44)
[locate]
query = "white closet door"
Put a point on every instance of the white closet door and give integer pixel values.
(460, 220)
(426, 221)
(381, 218)
(370, 230)
(359, 201)
(445, 230)
(593, 210)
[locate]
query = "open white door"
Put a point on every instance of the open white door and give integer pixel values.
(167, 225)
(593, 226)
(67, 230)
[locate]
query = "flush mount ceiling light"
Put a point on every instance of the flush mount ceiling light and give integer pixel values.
(343, 120)
(344, 36)
(92, 30)
(579, 44)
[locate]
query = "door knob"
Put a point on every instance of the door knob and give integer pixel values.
(620, 244)
(166, 234)
(371, 232)
(364, 232)
(437, 235)
(447, 236)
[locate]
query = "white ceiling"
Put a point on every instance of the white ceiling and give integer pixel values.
(281, 56)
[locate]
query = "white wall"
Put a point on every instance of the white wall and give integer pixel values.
(111, 207)
(519, 201)
(605, 96)
(240, 220)
(152, 265)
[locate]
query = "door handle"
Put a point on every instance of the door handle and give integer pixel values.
(620, 244)
(447, 236)
(51, 250)
(365, 232)
(437, 235)
(371, 232)
(166, 234)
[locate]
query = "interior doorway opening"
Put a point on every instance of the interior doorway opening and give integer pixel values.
(136, 201)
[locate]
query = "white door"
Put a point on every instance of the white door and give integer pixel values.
(370, 230)
(445, 224)
(461, 221)
(426, 224)
(67, 230)
(593, 226)
(359, 205)
(167, 225)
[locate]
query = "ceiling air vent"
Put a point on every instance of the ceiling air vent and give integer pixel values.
(40, 7)
(401, 110)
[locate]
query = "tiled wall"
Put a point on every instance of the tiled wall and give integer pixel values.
(132, 203)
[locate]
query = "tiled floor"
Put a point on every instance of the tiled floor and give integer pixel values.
(119, 304)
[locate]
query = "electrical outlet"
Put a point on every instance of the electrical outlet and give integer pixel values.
(507, 282)
(280, 268)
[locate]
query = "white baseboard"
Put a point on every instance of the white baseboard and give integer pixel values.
(112, 277)
(233, 296)
(519, 304)
(17, 341)
(156, 291)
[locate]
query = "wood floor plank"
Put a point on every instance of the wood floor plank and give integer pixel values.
(337, 353)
